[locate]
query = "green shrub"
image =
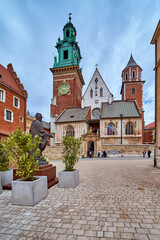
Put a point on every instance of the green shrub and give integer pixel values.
(23, 150)
(4, 159)
(71, 151)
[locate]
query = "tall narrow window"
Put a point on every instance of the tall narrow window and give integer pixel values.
(133, 74)
(67, 33)
(91, 93)
(110, 129)
(2, 95)
(65, 54)
(8, 115)
(133, 90)
(16, 102)
(126, 76)
(101, 92)
(70, 131)
(129, 129)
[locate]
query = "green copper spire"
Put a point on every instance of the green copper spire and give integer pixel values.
(68, 49)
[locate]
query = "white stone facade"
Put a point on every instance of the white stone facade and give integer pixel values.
(96, 84)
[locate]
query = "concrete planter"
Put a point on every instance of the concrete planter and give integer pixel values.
(6, 177)
(29, 192)
(68, 179)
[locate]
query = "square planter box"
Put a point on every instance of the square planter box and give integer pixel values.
(68, 179)
(29, 192)
(6, 177)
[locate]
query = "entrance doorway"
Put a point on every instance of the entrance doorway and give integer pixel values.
(90, 148)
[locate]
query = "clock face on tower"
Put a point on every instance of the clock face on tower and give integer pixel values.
(63, 88)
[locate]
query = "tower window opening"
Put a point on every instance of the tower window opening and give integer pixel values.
(65, 54)
(101, 92)
(126, 76)
(91, 93)
(67, 33)
(133, 74)
(133, 90)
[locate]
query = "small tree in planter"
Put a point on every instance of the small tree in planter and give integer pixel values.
(6, 174)
(70, 176)
(23, 149)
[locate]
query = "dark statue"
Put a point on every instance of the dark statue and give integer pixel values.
(37, 129)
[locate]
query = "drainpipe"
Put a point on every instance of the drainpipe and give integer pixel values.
(121, 116)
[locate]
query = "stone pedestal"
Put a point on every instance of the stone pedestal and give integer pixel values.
(6, 177)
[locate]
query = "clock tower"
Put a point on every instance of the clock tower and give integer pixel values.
(67, 77)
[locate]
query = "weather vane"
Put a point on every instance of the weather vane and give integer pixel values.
(96, 65)
(70, 16)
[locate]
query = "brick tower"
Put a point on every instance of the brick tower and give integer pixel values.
(67, 77)
(132, 85)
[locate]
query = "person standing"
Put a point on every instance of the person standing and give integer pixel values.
(149, 153)
(144, 153)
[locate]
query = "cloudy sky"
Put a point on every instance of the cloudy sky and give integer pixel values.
(107, 32)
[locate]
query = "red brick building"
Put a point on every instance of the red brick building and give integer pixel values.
(13, 101)
(149, 133)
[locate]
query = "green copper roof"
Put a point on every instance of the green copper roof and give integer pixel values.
(113, 110)
(68, 49)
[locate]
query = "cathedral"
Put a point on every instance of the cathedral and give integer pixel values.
(103, 123)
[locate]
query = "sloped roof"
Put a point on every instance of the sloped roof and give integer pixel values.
(46, 125)
(73, 115)
(150, 125)
(131, 62)
(9, 79)
(156, 33)
(113, 110)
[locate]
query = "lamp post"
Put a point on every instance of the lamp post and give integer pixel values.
(121, 116)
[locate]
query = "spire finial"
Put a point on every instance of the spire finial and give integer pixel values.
(70, 16)
(96, 65)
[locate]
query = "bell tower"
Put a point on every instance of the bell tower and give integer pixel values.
(132, 85)
(67, 77)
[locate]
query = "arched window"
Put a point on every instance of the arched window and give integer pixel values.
(70, 131)
(91, 93)
(129, 129)
(126, 76)
(133, 90)
(110, 129)
(101, 92)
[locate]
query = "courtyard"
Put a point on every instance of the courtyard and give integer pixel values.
(117, 198)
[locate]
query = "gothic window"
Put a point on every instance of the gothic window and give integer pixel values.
(126, 76)
(101, 92)
(70, 131)
(67, 33)
(133, 90)
(129, 129)
(65, 54)
(110, 129)
(133, 74)
(91, 93)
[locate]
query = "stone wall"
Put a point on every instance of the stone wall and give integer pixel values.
(55, 153)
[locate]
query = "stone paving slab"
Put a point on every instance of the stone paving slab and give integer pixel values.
(117, 199)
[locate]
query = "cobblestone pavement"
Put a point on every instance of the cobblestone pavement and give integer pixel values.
(117, 199)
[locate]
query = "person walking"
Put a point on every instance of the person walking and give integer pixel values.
(144, 153)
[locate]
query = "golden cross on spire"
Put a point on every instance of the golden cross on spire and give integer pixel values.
(70, 16)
